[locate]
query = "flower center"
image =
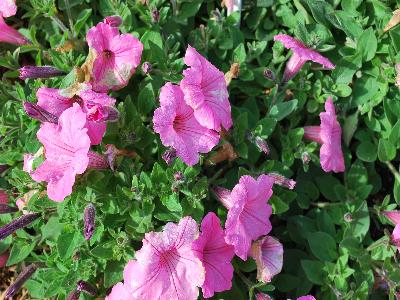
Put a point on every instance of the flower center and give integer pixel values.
(108, 53)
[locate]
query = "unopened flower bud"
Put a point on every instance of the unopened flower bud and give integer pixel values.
(16, 224)
(36, 112)
(87, 288)
(89, 221)
(268, 74)
(74, 295)
(155, 15)
(97, 161)
(39, 72)
(6, 209)
(261, 144)
(283, 181)
(223, 195)
(113, 21)
(169, 156)
(306, 158)
(147, 67)
(19, 282)
(178, 176)
(348, 217)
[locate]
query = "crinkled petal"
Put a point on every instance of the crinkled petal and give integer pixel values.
(96, 131)
(89, 95)
(8, 8)
(51, 100)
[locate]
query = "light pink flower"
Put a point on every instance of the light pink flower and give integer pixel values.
(216, 256)
(178, 128)
(268, 254)
(166, 267)
(394, 217)
(113, 56)
(66, 150)
(97, 106)
(8, 8)
(28, 162)
(301, 54)
(119, 292)
(10, 35)
(329, 134)
(248, 215)
(205, 90)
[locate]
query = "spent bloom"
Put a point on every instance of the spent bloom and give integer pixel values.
(98, 107)
(301, 54)
(113, 57)
(165, 267)
(39, 72)
(216, 256)
(174, 120)
(329, 134)
(204, 89)
(10, 35)
(248, 212)
(8, 8)
(283, 181)
(394, 217)
(268, 254)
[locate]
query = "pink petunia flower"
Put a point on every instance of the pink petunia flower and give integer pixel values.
(165, 267)
(97, 106)
(262, 296)
(329, 134)
(205, 91)
(301, 54)
(8, 8)
(178, 127)
(268, 254)
(113, 57)
(113, 21)
(120, 292)
(307, 297)
(216, 256)
(10, 35)
(248, 215)
(394, 217)
(66, 149)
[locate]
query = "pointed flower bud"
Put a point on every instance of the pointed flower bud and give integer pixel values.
(113, 21)
(268, 74)
(155, 15)
(147, 67)
(74, 295)
(97, 161)
(39, 72)
(19, 282)
(223, 195)
(6, 209)
(87, 288)
(89, 221)
(283, 181)
(169, 156)
(16, 224)
(178, 176)
(306, 158)
(262, 145)
(36, 112)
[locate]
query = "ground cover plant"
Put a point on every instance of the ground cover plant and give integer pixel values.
(199, 149)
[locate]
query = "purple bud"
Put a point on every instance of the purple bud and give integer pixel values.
(169, 156)
(6, 209)
(86, 287)
(348, 217)
(283, 181)
(74, 295)
(155, 15)
(36, 112)
(16, 224)
(19, 282)
(113, 21)
(89, 221)
(146, 67)
(39, 72)
(306, 158)
(223, 195)
(269, 74)
(262, 145)
(178, 176)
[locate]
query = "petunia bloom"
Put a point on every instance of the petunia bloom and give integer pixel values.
(329, 134)
(216, 256)
(394, 217)
(248, 215)
(66, 150)
(97, 106)
(301, 54)
(8, 8)
(268, 254)
(165, 266)
(10, 35)
(205, 91)
(113, 57)
(178, 127)
(307, 297)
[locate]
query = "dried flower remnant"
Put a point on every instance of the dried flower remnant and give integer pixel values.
(89, 220)
(34, 72)
(232, 73)
(394, 20)
(226, 152)
(268, 74)
(16, 224)
(155, 15)
(20, 280)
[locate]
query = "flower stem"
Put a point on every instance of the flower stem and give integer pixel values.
(392, 169)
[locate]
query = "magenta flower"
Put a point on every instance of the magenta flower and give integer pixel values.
(66, 149)
(394, 217)
(10, 35)
(216, 256)
(205, 91)
(329, 134)
(268, 254)
(174, 120)
(248, 215)
(307, 297)
(97, 106)
(301, 54)
(165, 267)
(113, 57)
(8, 8)
(262, 296)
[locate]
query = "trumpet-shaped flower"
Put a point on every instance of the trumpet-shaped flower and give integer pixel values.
(268, 254)
(205, 91)
(248, 215)
(301, 54)
(178, 127)
(329, 134)
(97, 106)
(216, 256)
(394, 217)
(66, 149)
(10, 35)
(113, 57)
(165, 267)
(8, 8)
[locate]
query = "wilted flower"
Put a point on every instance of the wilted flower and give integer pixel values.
(169, 156)
(306, 158)
(262, 145)
(283, 181)
(87, 288)
(178, 127)
(39, 72)
(165, 266)
(36, 112)
(10, 35)
(205, 91)
(16, 224)
(3, 197)
(19, 282)
(301, 54)
(178, 176)
(113, 21)
(329, 134)
(89, 219)
(226, 152)
(8, 8)
(97, 161)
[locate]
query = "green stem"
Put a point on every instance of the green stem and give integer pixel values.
(393, 170)
(71, 24)
(59, 23)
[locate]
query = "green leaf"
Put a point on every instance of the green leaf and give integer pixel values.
(367, 44)
(67, 243)
(386, 150)
(19, 251)
(322, 245)
(146, 99)
(367, 151)
(282, 110)
(314, 271)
